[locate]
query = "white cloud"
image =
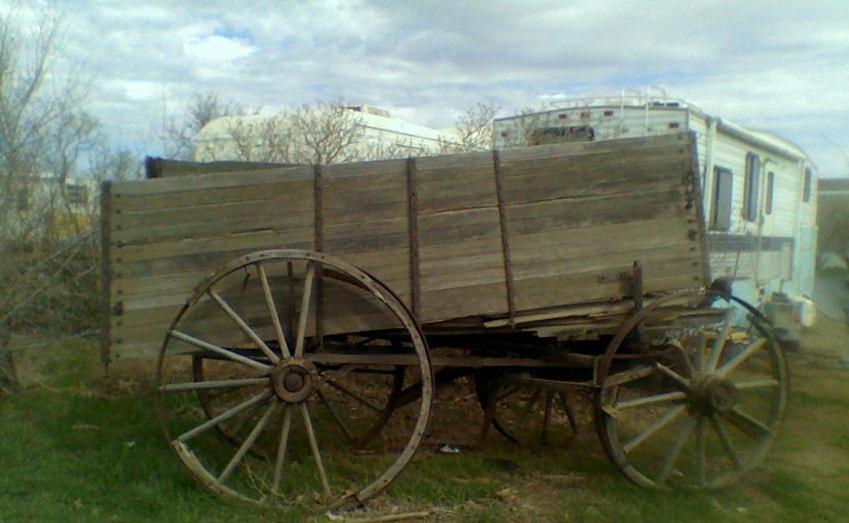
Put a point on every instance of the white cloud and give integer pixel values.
(760, 63)
(214, 48)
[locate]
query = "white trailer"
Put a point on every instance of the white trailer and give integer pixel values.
(758, 188)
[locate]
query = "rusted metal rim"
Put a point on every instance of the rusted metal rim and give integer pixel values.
(383, 295)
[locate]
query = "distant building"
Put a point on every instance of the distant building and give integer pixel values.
(67, 201)
(250, 137)
(758, 188)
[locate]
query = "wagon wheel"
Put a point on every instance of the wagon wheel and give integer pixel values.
(298, 400)
(706, 407)
(526, 413)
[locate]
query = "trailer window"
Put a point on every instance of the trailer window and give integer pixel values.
(562, 134)
(720, 213)
(770, 191)
(750, 193)
(806, 191)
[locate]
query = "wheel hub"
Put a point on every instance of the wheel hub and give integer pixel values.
(713, 394)
(294, 380)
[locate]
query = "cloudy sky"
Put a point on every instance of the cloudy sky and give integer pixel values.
(781, 65)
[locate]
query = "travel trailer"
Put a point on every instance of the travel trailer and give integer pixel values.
(758, 189)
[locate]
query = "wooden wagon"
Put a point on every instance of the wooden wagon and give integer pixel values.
(325, 303)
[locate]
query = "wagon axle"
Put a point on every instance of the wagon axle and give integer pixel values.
(714, 394)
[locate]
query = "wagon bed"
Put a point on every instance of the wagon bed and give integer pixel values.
(480, 239)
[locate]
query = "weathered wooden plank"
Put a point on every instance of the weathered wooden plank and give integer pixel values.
(212, 252)
(559, 184)
(163, 168)
(195, 182)
(565, 214)
(551, 291)
(298, 186)
(657, 232)
(578, 149)
(282, 205)
(213, 229)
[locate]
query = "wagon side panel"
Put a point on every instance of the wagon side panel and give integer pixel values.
(575, 222)
(165, 235)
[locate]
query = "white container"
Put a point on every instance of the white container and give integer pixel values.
(806, 311)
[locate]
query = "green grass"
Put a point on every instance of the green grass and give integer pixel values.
(75, 446)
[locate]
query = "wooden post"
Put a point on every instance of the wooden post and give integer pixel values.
(105, 272)
(505, 240)
(413, 230)
(319, 247)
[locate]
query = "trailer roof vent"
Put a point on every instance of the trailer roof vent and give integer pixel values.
(674, 125)
(562, 116)
(608, 113)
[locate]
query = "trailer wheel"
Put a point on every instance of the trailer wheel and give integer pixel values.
(692, 391)
(301, 405)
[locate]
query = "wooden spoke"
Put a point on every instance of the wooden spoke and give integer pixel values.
(212, 384)
(652, 400)
(337, 416)
(701, 443)
(549, 403)
(757, 384)
(570, 414)
(272, 310)
(746, 423)
(290, 283)
(691, 369)
(249, 441)
(670, 416)
(319, 465)
(737, 360)
(675, 449)
(719, 343)
(726, 442)
(243, 326)
(218, 350)
(701, 346)
(677, 378)
(344, 390)
(224, 416)
(305, 309)
(281, 450)
(529, 404)
(242, 419)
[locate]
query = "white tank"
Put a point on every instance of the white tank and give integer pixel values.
(806, 311)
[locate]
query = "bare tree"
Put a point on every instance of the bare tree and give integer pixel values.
(474, 130)
(179, 132)
(326, 132)
(48, 242)
(267, 139)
